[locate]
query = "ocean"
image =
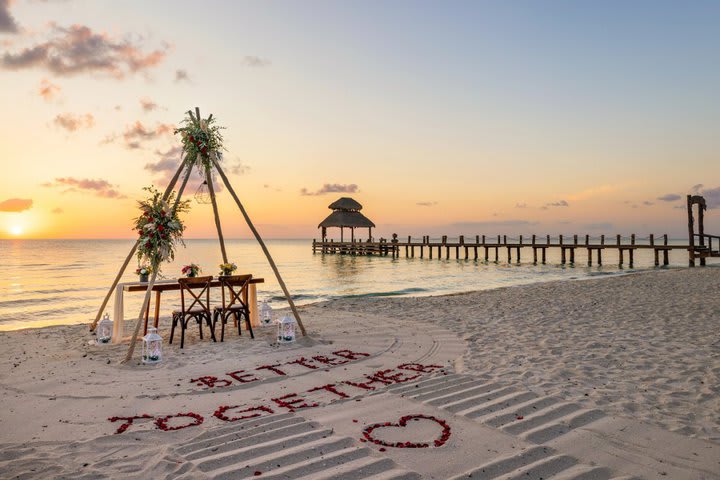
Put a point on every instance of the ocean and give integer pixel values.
(58, 282)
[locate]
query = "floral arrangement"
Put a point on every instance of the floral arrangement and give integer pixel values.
(200, 137)
(227, 268)
(191, 270)
(159, 228)
(143, 270)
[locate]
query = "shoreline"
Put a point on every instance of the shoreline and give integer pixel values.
(394, 294)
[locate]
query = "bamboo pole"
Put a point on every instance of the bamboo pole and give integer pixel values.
(151, 284)
(211, 189)
(169, 189)
(145, 305)
(262, 244)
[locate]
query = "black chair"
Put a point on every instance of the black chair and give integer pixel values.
(199, 309)
(233, 304)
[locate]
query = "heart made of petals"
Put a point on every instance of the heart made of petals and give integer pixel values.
(437, 442)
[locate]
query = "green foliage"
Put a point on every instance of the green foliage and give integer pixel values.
(200, 138)
(159, 228)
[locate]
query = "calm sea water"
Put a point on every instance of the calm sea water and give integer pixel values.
(52, 282)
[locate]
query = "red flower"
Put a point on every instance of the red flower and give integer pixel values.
(438, 442)
(161, 422)
(128, 421)
(220, 412)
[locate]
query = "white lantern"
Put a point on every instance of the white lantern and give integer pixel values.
(265, 313)
(152, 347)
(286, 330)
(104, 330)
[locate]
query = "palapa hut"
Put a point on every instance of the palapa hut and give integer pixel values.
(346, 214)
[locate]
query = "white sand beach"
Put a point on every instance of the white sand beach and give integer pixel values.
(605, 378)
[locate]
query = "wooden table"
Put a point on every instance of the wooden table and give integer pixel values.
(249, 297)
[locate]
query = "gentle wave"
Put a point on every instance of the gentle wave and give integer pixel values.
(71, 289)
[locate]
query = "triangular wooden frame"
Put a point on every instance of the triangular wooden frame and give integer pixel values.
(185, 165)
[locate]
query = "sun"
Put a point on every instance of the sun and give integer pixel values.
(16, 230)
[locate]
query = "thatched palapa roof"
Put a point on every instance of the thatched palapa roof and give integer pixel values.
(341, 218)
(345, 203)
(346, 214)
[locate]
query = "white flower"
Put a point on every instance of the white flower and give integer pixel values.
(150, 227)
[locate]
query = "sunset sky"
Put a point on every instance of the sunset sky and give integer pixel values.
(478, 117)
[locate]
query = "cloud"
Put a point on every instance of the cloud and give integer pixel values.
(166, 166)
(77, 49)
(137, 133)
(48, 90)
(559, 203)
(426, 204)
(16, 205)
(169, 161)
(669, 197)
(148, 105)
(7, 22)
(101, 188)
(72, 122)
(696, 188)
(254, 61)
(181, 76)
(57, 211)
(239, 168)
(331, 188)
(521, 205)
(647, 203)
(493, 223)
(712, 196)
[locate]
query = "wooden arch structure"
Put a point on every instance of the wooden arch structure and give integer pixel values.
(186, 166)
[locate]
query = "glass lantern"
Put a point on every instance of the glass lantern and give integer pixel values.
(286, 330)
(104, 330)
(266, 312)
(152, 347)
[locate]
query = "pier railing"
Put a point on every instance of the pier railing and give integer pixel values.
(489, 247)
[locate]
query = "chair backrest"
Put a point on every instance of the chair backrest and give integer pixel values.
(235, 285)
(193, 283)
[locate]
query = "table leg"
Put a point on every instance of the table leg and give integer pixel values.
(118, 318)
(252, 305)
(157, 308)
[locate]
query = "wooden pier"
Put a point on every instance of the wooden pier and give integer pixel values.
(494, 249)
(700, 245)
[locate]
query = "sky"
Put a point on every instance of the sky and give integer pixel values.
(482, 117)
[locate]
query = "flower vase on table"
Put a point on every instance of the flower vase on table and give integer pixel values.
(191, 270)
(143, 271)
(227, 269)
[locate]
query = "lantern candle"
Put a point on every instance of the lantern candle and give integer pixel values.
(152, 347)
(265, 313)
(286, 330)
(104, 330)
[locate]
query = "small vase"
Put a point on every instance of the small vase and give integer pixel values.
(144, 278)
(192, 275)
